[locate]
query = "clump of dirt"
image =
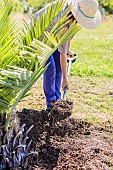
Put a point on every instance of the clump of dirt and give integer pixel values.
(65, 143)
(61, 110)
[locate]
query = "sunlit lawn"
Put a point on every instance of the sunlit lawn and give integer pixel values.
(95, 51)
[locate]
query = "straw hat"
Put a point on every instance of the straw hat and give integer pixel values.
(86, 12)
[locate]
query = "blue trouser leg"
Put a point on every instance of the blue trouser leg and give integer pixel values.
(52, 79)
(58, 77)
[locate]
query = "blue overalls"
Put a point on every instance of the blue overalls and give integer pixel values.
(52, 79)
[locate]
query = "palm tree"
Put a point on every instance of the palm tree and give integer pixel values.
(34, 44)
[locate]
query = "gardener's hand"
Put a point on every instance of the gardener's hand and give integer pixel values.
(70, 54)
(65, 83)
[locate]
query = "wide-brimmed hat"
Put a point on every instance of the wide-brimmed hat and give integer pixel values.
(86, 12)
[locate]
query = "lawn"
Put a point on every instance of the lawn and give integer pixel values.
(95, 51)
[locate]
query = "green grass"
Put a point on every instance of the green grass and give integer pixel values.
(95, 51)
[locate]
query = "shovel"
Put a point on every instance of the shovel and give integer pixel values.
(69, 61)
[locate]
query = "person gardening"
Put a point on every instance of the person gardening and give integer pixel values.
(86, 13)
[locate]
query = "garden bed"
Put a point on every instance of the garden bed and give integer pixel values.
(65, 143)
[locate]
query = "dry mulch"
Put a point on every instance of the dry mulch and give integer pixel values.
(65, 143)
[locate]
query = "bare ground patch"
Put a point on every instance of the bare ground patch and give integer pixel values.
(92, 98)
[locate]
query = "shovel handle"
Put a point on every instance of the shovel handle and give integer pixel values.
(64, 93)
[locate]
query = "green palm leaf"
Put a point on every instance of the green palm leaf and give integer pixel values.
(42, 31)
(37, 44)
(40, 24)
(53, 41)
(8, 35)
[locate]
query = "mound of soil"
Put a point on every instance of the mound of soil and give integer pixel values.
(65, 143)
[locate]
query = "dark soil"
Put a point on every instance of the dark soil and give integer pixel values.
(65, 143)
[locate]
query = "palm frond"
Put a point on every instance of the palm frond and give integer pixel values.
(38, 43)
(45, 49)
(8, 35)
(40, 24)
(11, 83)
